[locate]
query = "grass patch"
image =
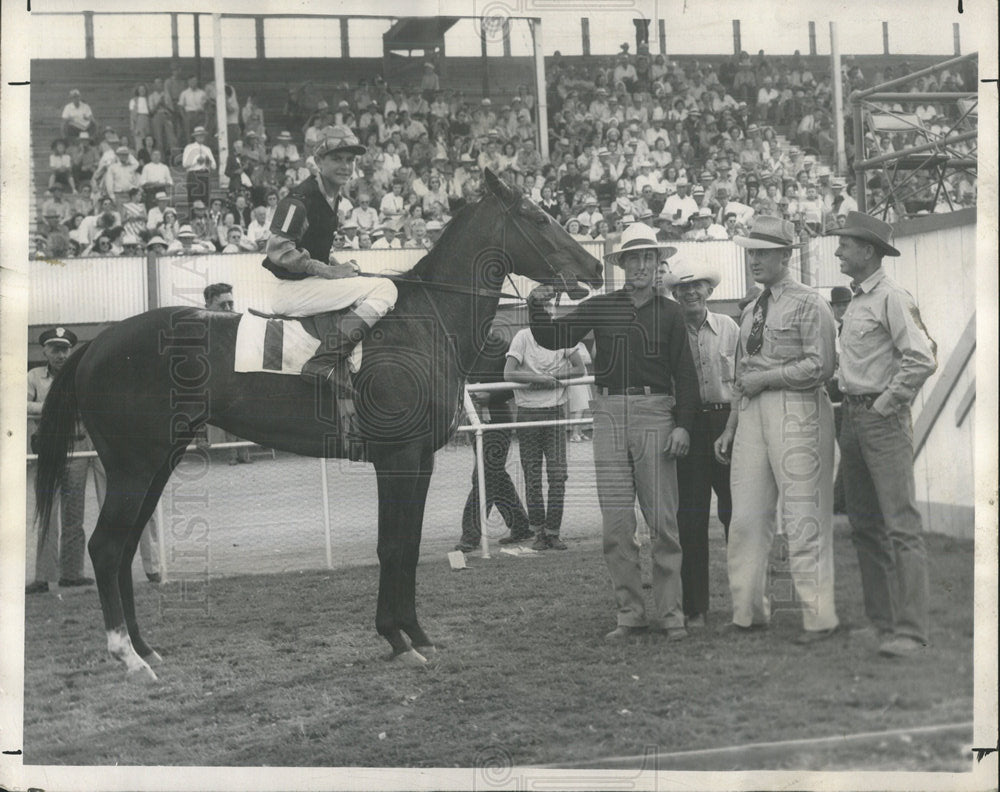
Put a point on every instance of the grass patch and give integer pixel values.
(286, 670)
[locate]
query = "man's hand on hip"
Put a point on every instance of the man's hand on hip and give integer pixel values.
(678, 443)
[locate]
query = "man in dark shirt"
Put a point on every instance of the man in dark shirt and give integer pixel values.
(500, 491)
(647, 394)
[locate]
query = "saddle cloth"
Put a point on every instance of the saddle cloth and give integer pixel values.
(278, 346)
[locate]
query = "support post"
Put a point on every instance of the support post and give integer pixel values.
(175, 43)
(859, 154)
(737, 43)
(541, 99)
(506, 37)
(812, 38)
(486, 62)
(663, 36)
(88, 34)
(325, 486)
(838, 99)
(585, 34)
(885, 38)
(258, 25)
(220, 100)
(345, 43)
(957, 37)
(197, 47)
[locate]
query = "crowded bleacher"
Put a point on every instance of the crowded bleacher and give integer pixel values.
(695, 148)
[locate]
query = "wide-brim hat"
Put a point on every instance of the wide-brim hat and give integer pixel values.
(840, 294)
(868, 229)
(688, 271)
(769, 233)
(185, 232)
(338, 138)
(285, 136)
(638, 236)
(156, 240)
(198, 130)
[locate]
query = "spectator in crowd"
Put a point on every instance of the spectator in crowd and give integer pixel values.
(139, 113)
(202, 225)
(389, 239)
(253, 118)
(57, 206)
(886, 356)
(541, 368)
(121, 176)
(186, 243)
(365, 216)
(77, 117)
(259, 230)
(191, 103)
(786, 355)
(713, 338)
(644, 376)
(679, 206)
(284, 151)
(134, 215)
(156, 246)
(155, 216)
(161, 114)
(155, 178)
(68, 541)
(61, 166)
(236, 242)
(84, 158)
(199, 162)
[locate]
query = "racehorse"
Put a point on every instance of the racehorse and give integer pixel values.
(145, 385)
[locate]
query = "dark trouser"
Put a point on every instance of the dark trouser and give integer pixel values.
(500, 491)
(839, 502)
(548, 443)
(877, 456)
(70, 545)
(164, 135)
(197, 186)
(697, 475)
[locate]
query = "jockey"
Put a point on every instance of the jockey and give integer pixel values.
(310, 278)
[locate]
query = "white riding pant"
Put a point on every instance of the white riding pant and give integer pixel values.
(314, 295)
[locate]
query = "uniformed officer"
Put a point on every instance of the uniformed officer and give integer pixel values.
(310, 278)
(885, 357)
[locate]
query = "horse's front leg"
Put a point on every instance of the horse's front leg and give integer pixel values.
(403, 478)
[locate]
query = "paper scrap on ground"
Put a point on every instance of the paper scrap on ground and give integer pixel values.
(518, 551)
(457, 559)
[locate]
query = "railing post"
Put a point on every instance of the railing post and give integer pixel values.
(175, 45)
(812, 38)
(88, 34)
(885, 38)
(663, 35)
(957, 37)
(585, 35)
(506, 37)
(345, 39)
(258, 23)
(737, 43)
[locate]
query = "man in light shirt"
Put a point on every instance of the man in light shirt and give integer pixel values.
(713, 338)
(886, 356)
(679, 206)
(192, 105)
(77, 117)
(155, 177)
(121, 176)
(199, 162)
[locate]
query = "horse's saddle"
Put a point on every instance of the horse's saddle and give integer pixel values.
(277, 344)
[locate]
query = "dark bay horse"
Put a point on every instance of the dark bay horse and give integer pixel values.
(144, 386)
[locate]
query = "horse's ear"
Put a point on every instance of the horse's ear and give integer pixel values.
(496, 186)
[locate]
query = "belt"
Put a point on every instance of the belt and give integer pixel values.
(637, 390)
(716, 407)
(861, 398)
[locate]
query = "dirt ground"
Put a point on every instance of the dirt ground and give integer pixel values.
(285, 669)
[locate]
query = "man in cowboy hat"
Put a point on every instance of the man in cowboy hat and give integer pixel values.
(780, 439)
(647, 394)
(199, 162)
(886, 355)
(310, 278)
(713, 338)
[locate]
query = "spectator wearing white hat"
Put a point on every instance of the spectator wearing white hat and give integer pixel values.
(199, 162)
(780, 439)
(679, 206)
(284, 151)
(155, 178)
(77, 117)
(121, 176)
(188, 244)
(713, 338)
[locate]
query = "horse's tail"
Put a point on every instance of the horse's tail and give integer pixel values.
(54, 439)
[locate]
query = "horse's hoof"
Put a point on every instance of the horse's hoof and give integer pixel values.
(410, 659)
(428, 651)
(142, 675)
(153, 658)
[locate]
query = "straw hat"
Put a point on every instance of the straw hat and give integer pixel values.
(868, 229)
(769, 233)
(638, 236)
(687, 271)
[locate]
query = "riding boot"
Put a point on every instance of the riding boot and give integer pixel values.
(330, 361)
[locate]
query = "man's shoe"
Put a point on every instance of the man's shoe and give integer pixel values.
(467, 547)
(541, 543)
(623, 632)
(810, 637)
(900, 646)
(80, 581)
(696, 622)
(513, 538)
(555, 543)
(38, 587)
(732, 629)
(675, 633)
(153, 577)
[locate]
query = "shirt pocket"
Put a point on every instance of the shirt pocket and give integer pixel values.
(784, 341)
(864, 328)
(727, 367)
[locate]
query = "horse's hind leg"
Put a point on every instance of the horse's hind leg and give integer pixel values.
(411, 554)
(117, 530)
(144, 650)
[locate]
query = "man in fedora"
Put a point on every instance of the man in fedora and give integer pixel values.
(647, 395)
(713, 338)
(780, 439)
(886, 355)
(310, 278)
(199, 162)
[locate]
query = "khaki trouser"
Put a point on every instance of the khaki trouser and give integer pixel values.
(783, 459)
(630, 433)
